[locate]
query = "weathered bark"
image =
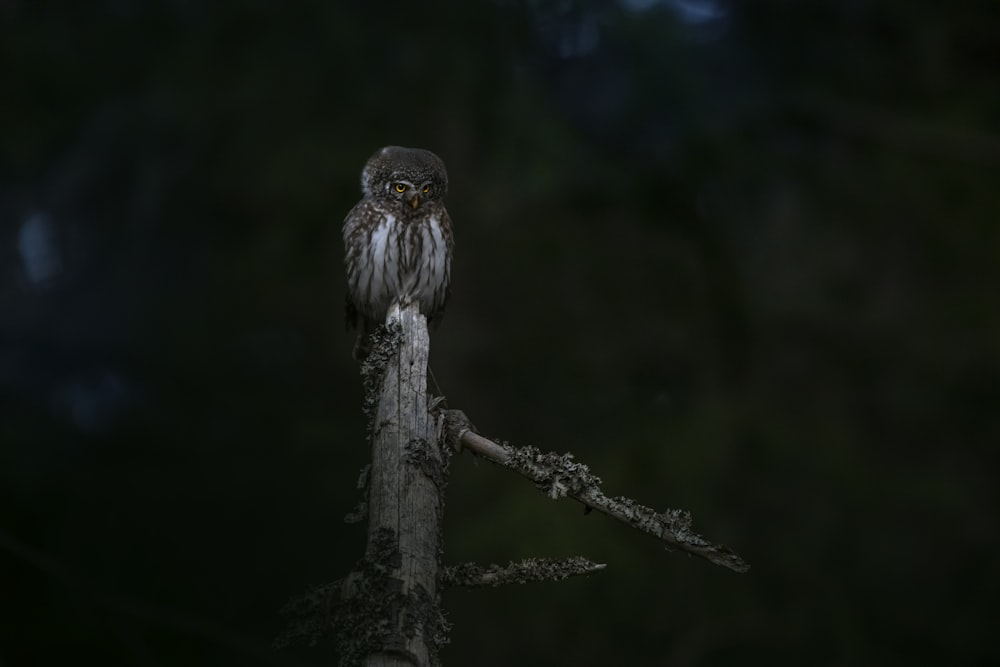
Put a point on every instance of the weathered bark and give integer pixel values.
(399, 577)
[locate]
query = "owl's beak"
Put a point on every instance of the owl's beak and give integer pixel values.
(415, 202)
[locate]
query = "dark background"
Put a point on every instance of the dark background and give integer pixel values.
(741, 258)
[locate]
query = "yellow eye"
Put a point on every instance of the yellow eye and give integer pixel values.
(400, 187)
(427, 189)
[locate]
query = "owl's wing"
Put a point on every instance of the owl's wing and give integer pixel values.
(360, 220)
(355, 218)
(364, 211)
(443, 291)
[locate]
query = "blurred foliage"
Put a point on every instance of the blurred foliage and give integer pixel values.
(741, 258)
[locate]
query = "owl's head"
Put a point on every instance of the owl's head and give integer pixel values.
(412, 176)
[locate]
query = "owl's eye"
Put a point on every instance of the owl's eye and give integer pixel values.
(427, 189)
(400, 187)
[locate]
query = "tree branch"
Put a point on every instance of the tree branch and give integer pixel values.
(559, 475)
(529, 570)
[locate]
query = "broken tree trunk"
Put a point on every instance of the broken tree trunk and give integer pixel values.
(397, 585)
(386, 612)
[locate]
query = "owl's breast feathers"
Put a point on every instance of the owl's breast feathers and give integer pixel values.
(394, 254)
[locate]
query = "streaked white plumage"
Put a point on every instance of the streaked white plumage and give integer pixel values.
(398, 238)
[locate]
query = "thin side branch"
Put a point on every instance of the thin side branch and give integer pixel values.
(529, 570)
(559, 475)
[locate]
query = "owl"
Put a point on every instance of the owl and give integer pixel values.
(398, 239)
